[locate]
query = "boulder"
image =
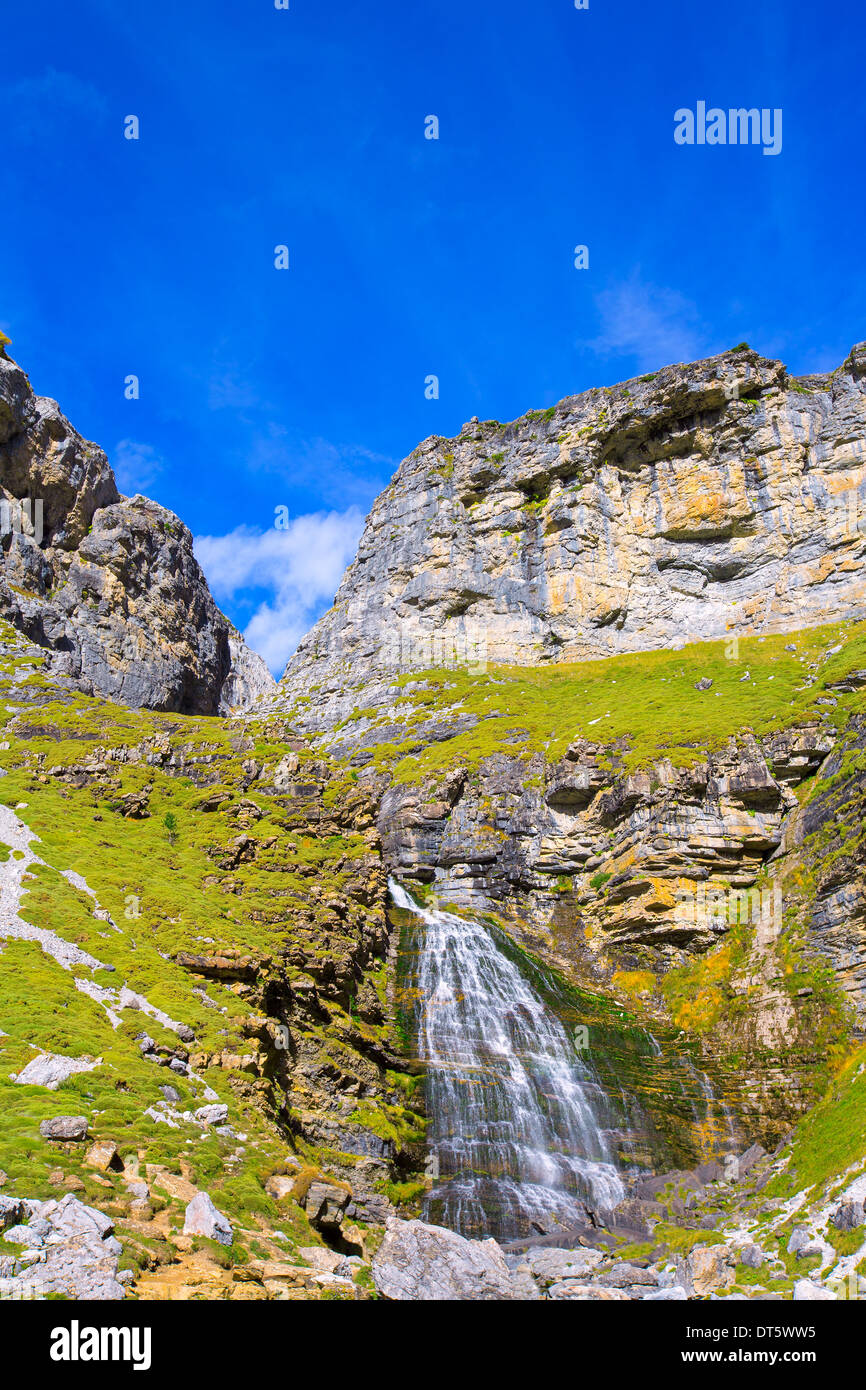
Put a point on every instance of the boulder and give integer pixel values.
(71, 1129)
(752, 1256)
(50, 1069)
(78, 1254)
(523, 1285)
(585, 1293)
(798, 1240)
(22, 1235)
(624, 1276)
(325, 1204)
(805, 1291)
(203, 1219)
(279, 1186)
(746, 1161)
(421, 1263)
(325, 1261)
(103, 1156)
(551, 1265)
(849, 1216)
(212, 1114)
(710, 1268)
(11, 1212)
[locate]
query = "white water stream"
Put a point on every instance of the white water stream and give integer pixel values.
(516, 1117)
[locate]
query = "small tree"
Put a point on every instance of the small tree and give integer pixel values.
(170, 823)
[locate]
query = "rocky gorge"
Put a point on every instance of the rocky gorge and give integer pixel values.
(591, 695)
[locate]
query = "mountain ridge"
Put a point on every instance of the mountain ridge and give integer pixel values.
(110, 585)
(717, 499)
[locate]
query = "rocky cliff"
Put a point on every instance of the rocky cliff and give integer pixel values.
(107, 584)
(716, 499)
(598, 677)
(520, 662)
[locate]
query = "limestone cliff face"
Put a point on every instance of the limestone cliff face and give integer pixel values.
(718, 500)
(108, 584)
(709, 500)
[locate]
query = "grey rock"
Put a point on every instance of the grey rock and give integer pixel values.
(806, 1291)
(524, 1286)
(22, 1235)
(752, 1256)
(203, 1219)
(798, 1240)
(76, 1258)
(747, 1160)
(325, 1204)
(212, 1114)
(11, 1211)
(50, 1070)
(69, 1128)
(421, 1263)
(574, 1290)
(551, 1264)
(623, 1275)
(849, 1217)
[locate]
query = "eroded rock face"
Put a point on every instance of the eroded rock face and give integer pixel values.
(108, 584)
(640, 854)
(705, 500)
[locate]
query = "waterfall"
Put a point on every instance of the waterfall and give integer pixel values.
(515, 1114)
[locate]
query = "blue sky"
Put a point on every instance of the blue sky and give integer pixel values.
(304, 388)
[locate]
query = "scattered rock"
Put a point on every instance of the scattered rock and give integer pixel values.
(279, 1186)
(710, 1268)
(50, 1069)
(325, 1204)
(584, 1293)
(325, 1261)
(103, 1156)
(212, 1114)
(72, 1129)
(203, 1219)
(75, 1253)
(849, 1216)
(805, 1291)
(752, 1256)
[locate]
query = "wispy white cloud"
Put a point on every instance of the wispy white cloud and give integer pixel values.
(654, 325)
(300, 568)
(136, 466)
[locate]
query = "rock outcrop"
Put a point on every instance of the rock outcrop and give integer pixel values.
(421, 1263)
(108, 584)
(63, 1248)
(717, 499)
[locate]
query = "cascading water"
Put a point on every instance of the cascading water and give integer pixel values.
(516, 1116)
